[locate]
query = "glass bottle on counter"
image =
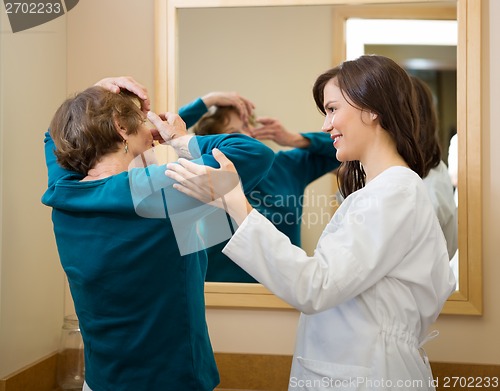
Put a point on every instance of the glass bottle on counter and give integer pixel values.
(70, 365)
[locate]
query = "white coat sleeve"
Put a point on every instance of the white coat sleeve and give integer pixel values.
(363, 242)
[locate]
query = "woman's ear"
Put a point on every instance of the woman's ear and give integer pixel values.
(122, 131)
(373, 116)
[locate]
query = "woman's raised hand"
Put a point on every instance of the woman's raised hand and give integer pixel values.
(272, 129)
(115, 84)
(168, 126)
(244, 106)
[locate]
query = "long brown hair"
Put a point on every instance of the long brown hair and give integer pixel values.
(427, 132)
(379, 85)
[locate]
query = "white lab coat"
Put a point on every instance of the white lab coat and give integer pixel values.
(377, 280)
(440, 189)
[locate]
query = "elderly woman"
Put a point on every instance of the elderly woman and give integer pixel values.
(138, 296)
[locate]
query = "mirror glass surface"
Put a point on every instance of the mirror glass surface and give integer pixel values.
(426, 49)
(234, 46)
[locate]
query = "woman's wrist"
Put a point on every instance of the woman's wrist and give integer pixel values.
(209, 99)
(239, 211)
(181, 146)
(300, 141)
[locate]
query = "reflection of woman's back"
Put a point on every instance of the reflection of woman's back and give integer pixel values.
(279, 196)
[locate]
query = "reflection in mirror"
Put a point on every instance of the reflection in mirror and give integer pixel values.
(427, 49)
(468, 297)
(275, 68)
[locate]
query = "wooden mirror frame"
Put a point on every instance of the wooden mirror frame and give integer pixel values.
(468, 299)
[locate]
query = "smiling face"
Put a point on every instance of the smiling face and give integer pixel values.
(349, 127)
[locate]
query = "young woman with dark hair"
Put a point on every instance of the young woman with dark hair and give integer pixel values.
(380, 274)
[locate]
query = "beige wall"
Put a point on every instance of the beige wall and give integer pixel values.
(115, 37)
(39, 69)
(33, 83)
(110, 38)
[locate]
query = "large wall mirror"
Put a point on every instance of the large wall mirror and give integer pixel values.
(271, 51)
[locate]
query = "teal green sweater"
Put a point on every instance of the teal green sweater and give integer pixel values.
(140, 302)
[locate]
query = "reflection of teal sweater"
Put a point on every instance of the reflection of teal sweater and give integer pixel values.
(279, 196)
(139, 302)
(192, 112)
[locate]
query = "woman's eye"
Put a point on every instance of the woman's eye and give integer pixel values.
(330, 109)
